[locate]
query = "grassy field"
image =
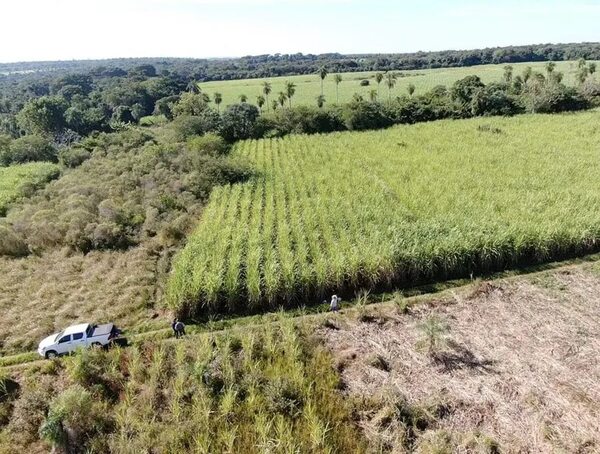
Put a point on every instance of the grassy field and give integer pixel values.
(343, 211)
(513, 370)
(16, 178)
(308, 87)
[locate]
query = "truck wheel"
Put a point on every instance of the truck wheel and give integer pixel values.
(97, 345)
(51, 354)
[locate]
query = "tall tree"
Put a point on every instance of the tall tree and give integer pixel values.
(550, 67)
(411, 89)
(508, 74)
(337, 79)
(260, 102)
(373, 95)
(218, 97)
(274, 105)
(390, 81)
(281, 98)
(320, 101)
(266, 90)
(322, 74)
(290, 91)
(378, 79)
(527, 72)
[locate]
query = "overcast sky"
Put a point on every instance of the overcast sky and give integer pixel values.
(79, 29)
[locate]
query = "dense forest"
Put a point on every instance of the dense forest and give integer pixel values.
(293, 64)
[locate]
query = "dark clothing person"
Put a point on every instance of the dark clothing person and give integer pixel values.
(173, 327)
(179, 329)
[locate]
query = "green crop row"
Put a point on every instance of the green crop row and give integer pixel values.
(338, 212)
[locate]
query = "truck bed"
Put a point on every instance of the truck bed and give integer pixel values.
(102, 330)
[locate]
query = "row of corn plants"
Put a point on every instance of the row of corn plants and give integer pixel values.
(341, 211)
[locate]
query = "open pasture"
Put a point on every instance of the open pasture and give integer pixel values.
(308, 86)
(15, 178)
(429, 201)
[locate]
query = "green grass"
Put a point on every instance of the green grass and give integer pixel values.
(14, 179)
(429, 201)
(253, 391)
(308, 87)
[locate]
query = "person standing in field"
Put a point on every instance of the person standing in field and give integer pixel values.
(173, 326)
(334, 306)
(179, 329)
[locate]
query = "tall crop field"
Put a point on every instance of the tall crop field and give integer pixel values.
(15, 178)
(348, 210)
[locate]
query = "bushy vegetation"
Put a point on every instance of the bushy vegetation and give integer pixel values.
(19, 180)
(250, 391)
(131, 188)
(348, 210)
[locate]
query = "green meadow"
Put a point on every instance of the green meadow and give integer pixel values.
(308, 87)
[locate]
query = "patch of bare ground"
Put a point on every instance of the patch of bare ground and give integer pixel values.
(515, 368)
(40, 295)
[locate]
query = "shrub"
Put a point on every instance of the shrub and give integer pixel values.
(238, 122)
(361, 115)
(494, 100)
(74, 418)
(11, 244)
(210, 144)
(73, 157)
(186, 126)
(28, 149)
(364, 83)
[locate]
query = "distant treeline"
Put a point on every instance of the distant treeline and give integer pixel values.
(292, 64)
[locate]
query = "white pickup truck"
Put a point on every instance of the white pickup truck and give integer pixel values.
(78, 336)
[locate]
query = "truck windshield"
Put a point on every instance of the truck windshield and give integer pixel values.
(58, 336)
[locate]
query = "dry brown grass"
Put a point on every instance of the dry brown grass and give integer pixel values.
(520, 369)
(41, 295)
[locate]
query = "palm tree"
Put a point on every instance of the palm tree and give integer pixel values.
(290, 90)
(243, 98)
(260, 102)
(282, 97)
(378, 79)
(337, 79)
(266, 90)
(390, 81)
(322, 74)
(193, 87)
(373, 95)
(218, 97)
(411, 89)
(550, 67)
(320, 101)
(274, 105)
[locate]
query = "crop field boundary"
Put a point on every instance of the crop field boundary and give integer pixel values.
(411, 295)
